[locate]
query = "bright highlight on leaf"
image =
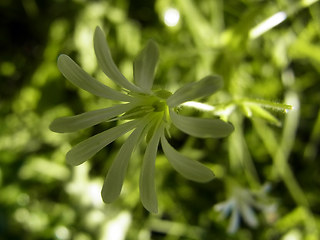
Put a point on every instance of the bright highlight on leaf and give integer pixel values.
(198, 106)
(268, 24)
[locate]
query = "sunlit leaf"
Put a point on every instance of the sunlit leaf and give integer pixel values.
(83, 80)
(188, 168)
(144, 66)
(106, 62)
(89, 147)
(87, 119)
(191, 91)
(201, 127)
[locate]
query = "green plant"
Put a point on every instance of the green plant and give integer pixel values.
(149, 113)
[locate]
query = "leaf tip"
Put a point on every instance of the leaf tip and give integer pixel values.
(72, 160)
(53, 127)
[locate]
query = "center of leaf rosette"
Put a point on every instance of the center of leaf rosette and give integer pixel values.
(163, 94)
(159, 106)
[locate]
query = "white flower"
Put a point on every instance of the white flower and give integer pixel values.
(150, 114)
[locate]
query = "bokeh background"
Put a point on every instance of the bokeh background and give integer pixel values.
(267, 182)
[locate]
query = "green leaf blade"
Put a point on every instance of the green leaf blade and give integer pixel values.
(188, 168)
(201, 127)
(148, 194)
(83, 80)
(89, 147)
(191, 91)
(114, 180)
(144, 66)
(87, 119)
(106, 62)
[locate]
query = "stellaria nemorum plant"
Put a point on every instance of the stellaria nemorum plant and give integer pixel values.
(147, 113)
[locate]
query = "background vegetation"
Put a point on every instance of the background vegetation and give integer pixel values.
(267, 171)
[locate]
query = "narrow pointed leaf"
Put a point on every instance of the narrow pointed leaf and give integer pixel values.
(106, 62)
(114, 180)
(261, 112)
(89, 147)
(188, 168)
(87, 119)
(224, 208)
(201, 127)
(144, 66)
(83, 80)
(191, 91)
(248, 215)
(234, 220)
(148, 194)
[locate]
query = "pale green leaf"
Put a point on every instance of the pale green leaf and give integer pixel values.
(191, 91)
(201, 127)
(187, 167)
(260, 112)
(144, 66)
(106, 62)
(89, 147)
(148, 194)
(87, 119)
(234, 220)
(83, 80)
(248, 214)
(114, 180)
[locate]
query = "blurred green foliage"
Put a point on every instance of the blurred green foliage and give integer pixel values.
(43, 198)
